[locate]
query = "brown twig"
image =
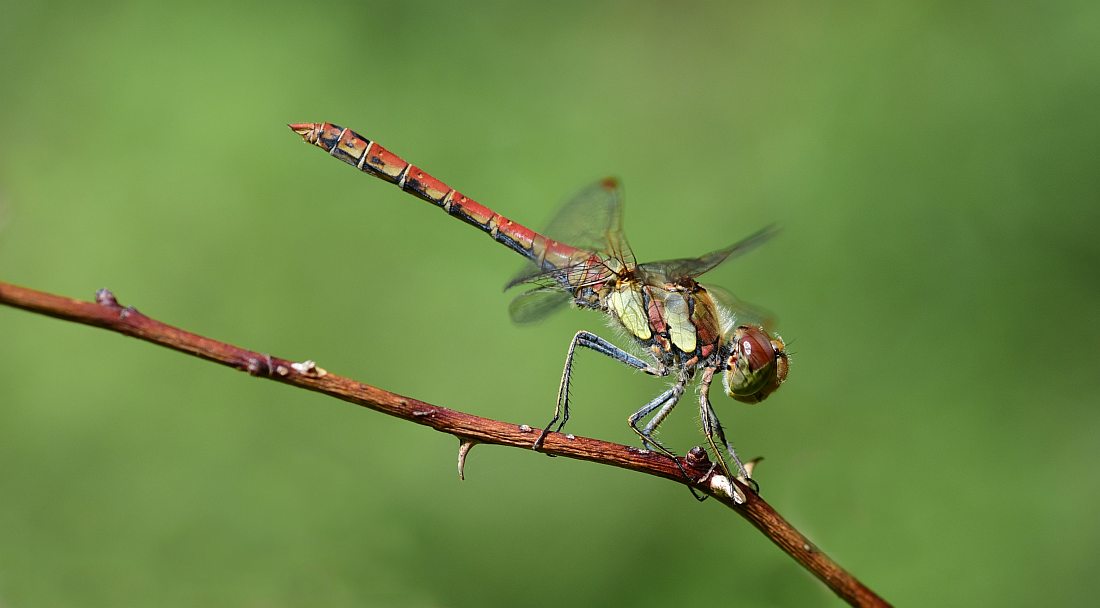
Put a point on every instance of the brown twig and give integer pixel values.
(107, 313)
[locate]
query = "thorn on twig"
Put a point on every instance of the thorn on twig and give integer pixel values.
(748, 479)
(749, 467)
(309, 368)
(464, 447)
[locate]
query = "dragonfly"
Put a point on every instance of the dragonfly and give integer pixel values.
(680, 328)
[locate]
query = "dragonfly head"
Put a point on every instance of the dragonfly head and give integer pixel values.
(756, 364)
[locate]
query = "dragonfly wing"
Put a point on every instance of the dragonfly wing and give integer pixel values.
(692, 267)
(577, 275)
(744, 313)
(537, 304)
(593, 219)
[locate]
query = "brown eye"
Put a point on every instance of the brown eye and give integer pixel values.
(756, 366)
(756, 346)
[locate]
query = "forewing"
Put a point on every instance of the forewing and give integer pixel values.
(593, 220)
(692, 267)
(537, 304)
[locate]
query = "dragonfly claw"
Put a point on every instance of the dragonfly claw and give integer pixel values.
(537, 445)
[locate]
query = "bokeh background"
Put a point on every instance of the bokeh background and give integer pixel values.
(934, 167)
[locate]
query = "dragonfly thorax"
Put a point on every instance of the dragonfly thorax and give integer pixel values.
(678, 322)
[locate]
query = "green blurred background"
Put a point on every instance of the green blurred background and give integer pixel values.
(934, 167)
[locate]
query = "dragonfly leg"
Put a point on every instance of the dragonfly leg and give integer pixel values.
(660, 416)
(665, 401)
(598, 344)
(713, 428)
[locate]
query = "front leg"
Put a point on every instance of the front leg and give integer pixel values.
(598, 344)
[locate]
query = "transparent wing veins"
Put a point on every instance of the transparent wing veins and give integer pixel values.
(684, 268)
(592, 220)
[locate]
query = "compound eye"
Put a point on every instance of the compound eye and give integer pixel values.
(756, 347)
(757, 365)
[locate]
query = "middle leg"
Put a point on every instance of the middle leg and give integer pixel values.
(665, 401)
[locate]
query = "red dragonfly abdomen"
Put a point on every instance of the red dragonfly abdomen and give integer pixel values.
(373, 159)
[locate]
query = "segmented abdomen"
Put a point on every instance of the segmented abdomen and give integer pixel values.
(372, 158)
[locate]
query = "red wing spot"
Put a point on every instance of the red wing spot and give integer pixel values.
(610, 183)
